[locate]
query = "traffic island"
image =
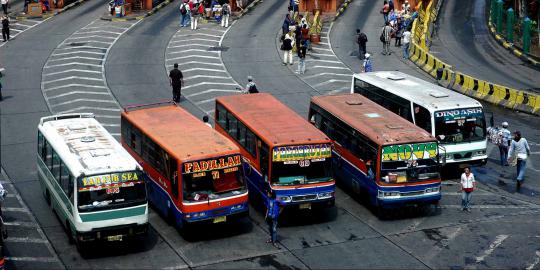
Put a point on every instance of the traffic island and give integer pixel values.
(35, 10)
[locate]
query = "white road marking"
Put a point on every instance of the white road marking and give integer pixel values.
(330, 81)
(324, 61)
(498, 241)
(328, 73)
(91, 36)
(206, 77)
(73, 85)
(70, 64)
(205, 101)
(97, 31)
(196, 62)
(491, 206)
(82, 47)
(322, 54)
(71, 78)
(86, 108)
(77, 52)
(21, 224)
(193, 50)
(15, 209)
(32, 259)
(192, 40)
(191, 45)
(340, 90)
(203, 34)
(535, 262)
(77, 93)
(82, 100)
(208, 83)
(25, 240)
(213, 90)
(330, 67)
(204, 69)
(71, 70)
(76, 57)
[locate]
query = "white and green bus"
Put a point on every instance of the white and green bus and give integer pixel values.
(96, 188)
(457, 121)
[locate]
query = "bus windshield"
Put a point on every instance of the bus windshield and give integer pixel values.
(109, 191)
(211, 179)
(460, 125)
(304, 164)
(409, 162)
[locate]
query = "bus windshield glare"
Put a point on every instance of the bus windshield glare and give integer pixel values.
(211, 179)
(109, 191)
(409, 162)
(301, 164)
(460, 125)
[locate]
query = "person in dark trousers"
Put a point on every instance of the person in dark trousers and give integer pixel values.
(5, 28)
(361, 39)
(176, 80)
(285, 26)
(273, 209)
(5, 4)
(519, 150)
(298, 37)
(1, 98)
(302, 58)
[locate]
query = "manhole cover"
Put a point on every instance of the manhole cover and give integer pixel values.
(218, 48)
(76, 44)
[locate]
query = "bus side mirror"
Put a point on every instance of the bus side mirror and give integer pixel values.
(442, 156)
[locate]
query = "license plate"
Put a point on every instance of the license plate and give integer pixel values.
(220, 219)
(114, 238)
(305, 206)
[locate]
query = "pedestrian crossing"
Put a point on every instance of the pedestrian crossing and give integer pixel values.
(325, 72)
(198, 54)
(26, 245)
(16, 27)
(73, 78)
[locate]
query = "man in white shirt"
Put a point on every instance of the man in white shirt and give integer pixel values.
(406, 42)
(5, 6)
(520, 148)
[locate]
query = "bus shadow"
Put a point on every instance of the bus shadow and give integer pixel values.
(402, 213)
(134, 245)
(296, 217)
(208, 231)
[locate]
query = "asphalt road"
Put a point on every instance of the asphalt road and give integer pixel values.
(134, 70)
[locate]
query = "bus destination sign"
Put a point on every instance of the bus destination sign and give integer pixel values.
(212, 164)
(301, 152)
(113, 179)
(405, 152)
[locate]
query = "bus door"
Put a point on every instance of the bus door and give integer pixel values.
(263, 184)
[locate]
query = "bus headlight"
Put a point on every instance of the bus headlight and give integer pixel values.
(432, 190)
(325, 195)
(237, 207)
(384, 194)
(480, 153)
(284, 199)
(449, 156)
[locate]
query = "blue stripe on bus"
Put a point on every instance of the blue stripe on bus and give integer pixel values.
(257, 185)
(355, 180)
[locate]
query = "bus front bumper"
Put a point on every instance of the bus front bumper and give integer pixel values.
(235, 212)
(115, 233)
(397, 199)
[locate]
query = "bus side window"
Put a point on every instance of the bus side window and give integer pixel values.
(56, 166)
(221, 116)
(48, 155)
(135, 140)
(263, 158)
(64, 178)
(40, 144)
(422, 117)
(251, 143)
(242, 134)
(232, 126)
(70, 188)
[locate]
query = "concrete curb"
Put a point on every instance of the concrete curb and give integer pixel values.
(248, 8)
(342, 9)
(136, 18)
(48, 15)
(510, 47)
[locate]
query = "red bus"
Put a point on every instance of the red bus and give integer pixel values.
(195, 173)
(377, 153)
(286, 155)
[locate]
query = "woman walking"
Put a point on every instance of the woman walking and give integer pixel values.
(468, 184)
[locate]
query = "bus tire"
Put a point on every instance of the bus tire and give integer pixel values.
(71, 240)
(47, 197)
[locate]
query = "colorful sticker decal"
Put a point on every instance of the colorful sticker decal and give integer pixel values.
(301, 152)
(407, 152)
(114, 180)
(459, 114)
(211, 164)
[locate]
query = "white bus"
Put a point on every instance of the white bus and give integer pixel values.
(457, 121)
(96, 188)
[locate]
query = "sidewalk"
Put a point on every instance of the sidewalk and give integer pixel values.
(464, 41)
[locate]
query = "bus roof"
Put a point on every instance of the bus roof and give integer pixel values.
(426, 94)
(375, 122)
(274, 122)
(180, 133)
(84, 145)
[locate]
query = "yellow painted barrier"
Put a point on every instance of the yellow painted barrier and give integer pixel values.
(415, 52)
(430, 63)
(439, 64)
(421, 61)
(447, 78)
(525, 101)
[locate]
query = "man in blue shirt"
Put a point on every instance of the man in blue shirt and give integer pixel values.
(273, 209)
